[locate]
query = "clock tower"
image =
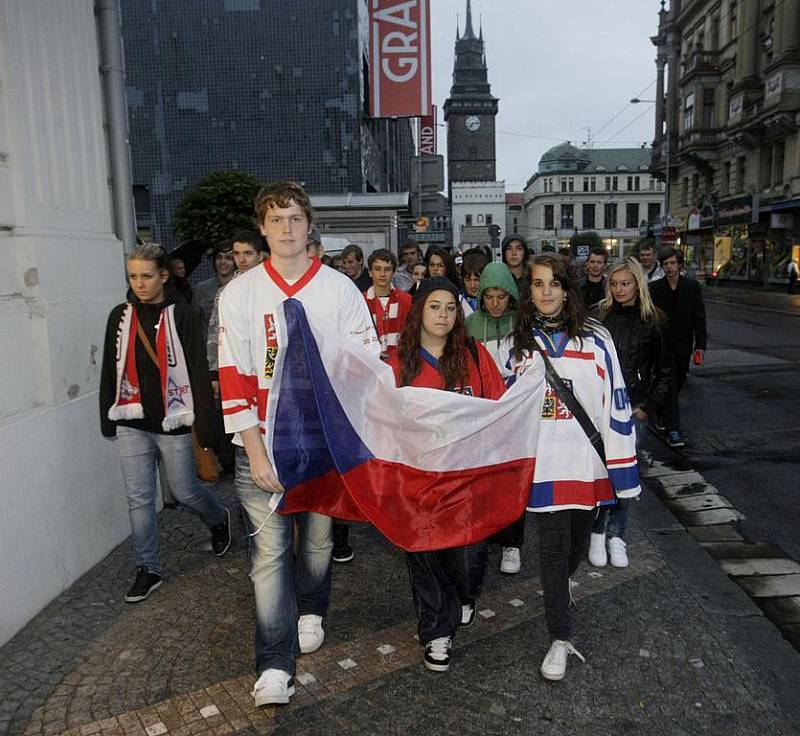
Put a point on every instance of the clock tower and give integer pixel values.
(470, 111)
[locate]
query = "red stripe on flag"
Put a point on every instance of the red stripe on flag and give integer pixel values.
(421, 510)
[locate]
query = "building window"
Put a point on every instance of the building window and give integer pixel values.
(777, 163)
(567, 216)
(685, 191)
(732, 28)
(725, 185)
(488, 219)
(563, 185)
(630, 183)
(632, 215)
(608, 183)
(688, 113)
(571, 184)
(468, 220)
(708, 108)
(548, 217)
(516, 221)
(741, 173)
(480, 219)
(653, 211)
(610, 215)
(588, 217)
(592, 184)
(585, 184)
(614, 183)
(637, 183)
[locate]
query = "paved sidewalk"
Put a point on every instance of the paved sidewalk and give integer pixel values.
(672, 647)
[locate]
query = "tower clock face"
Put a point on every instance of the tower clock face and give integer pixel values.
(473, 122)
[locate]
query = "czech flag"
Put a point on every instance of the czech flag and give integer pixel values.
(429, 469)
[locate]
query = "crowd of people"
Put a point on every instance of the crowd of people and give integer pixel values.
(188, 368)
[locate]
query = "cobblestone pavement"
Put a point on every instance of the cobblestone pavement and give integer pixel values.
(672, 647)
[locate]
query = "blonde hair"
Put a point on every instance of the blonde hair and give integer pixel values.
(649, 312)
(151, 252)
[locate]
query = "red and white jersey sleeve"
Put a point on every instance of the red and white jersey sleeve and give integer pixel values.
(249, 342)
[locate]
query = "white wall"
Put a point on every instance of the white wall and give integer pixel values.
(61, 270)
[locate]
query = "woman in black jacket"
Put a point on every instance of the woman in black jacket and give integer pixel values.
(635, 324)
(154, 387)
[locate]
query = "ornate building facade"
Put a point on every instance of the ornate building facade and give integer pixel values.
(726, 138)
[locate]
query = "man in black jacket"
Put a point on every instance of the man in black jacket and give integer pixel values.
(681, 300)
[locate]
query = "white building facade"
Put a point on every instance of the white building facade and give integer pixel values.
(61, 270)
(607, 191)
(476, 205)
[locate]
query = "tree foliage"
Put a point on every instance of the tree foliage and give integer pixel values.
(215, 207)
(589, 238)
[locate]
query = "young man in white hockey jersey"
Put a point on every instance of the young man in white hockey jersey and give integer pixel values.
(291, 597)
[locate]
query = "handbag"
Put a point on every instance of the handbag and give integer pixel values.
(565, 394)
(205, 459)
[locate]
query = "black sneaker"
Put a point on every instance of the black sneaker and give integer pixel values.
(146, 582)
(342, 551)
(675, 439)
(221, 535)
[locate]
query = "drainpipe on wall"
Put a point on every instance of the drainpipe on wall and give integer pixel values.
(112, 68)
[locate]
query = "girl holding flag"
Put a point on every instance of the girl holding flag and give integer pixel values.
(154, 388)
(586, 397)
(435, 352)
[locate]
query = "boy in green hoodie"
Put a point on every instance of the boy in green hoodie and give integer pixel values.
(497, 314)
(490, 323)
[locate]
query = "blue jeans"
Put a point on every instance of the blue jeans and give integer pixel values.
(613, 520)
(138, 453)
(287, 584)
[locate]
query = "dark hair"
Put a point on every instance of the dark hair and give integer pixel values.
(510, 239)
(452, 364)
(282, 194)
(251, 237)
(409, 244)
(565, 251)
(644, 245)
(669, 252)
(382, 254)
(450, 268)
(223, 246)
(574, 312)
(473, 263)
(599, 250)
(354, 250)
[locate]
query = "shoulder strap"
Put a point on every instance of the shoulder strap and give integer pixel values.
(148, 346)
(572, 403)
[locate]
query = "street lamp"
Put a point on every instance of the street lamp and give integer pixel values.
(636, 101)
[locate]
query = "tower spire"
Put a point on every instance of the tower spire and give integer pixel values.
(468, 31)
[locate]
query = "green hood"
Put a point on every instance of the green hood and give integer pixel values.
(498, 276)
(480, 324)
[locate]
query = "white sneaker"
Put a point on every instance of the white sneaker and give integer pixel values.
(555, 662)
(510, 563)
(274, 687)
(617, 552)
(437, 654)
(310, 633)
(597, 550)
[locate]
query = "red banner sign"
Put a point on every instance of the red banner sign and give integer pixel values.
(427, 133)
(400, 58)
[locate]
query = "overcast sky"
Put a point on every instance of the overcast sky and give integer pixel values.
(557, 67)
